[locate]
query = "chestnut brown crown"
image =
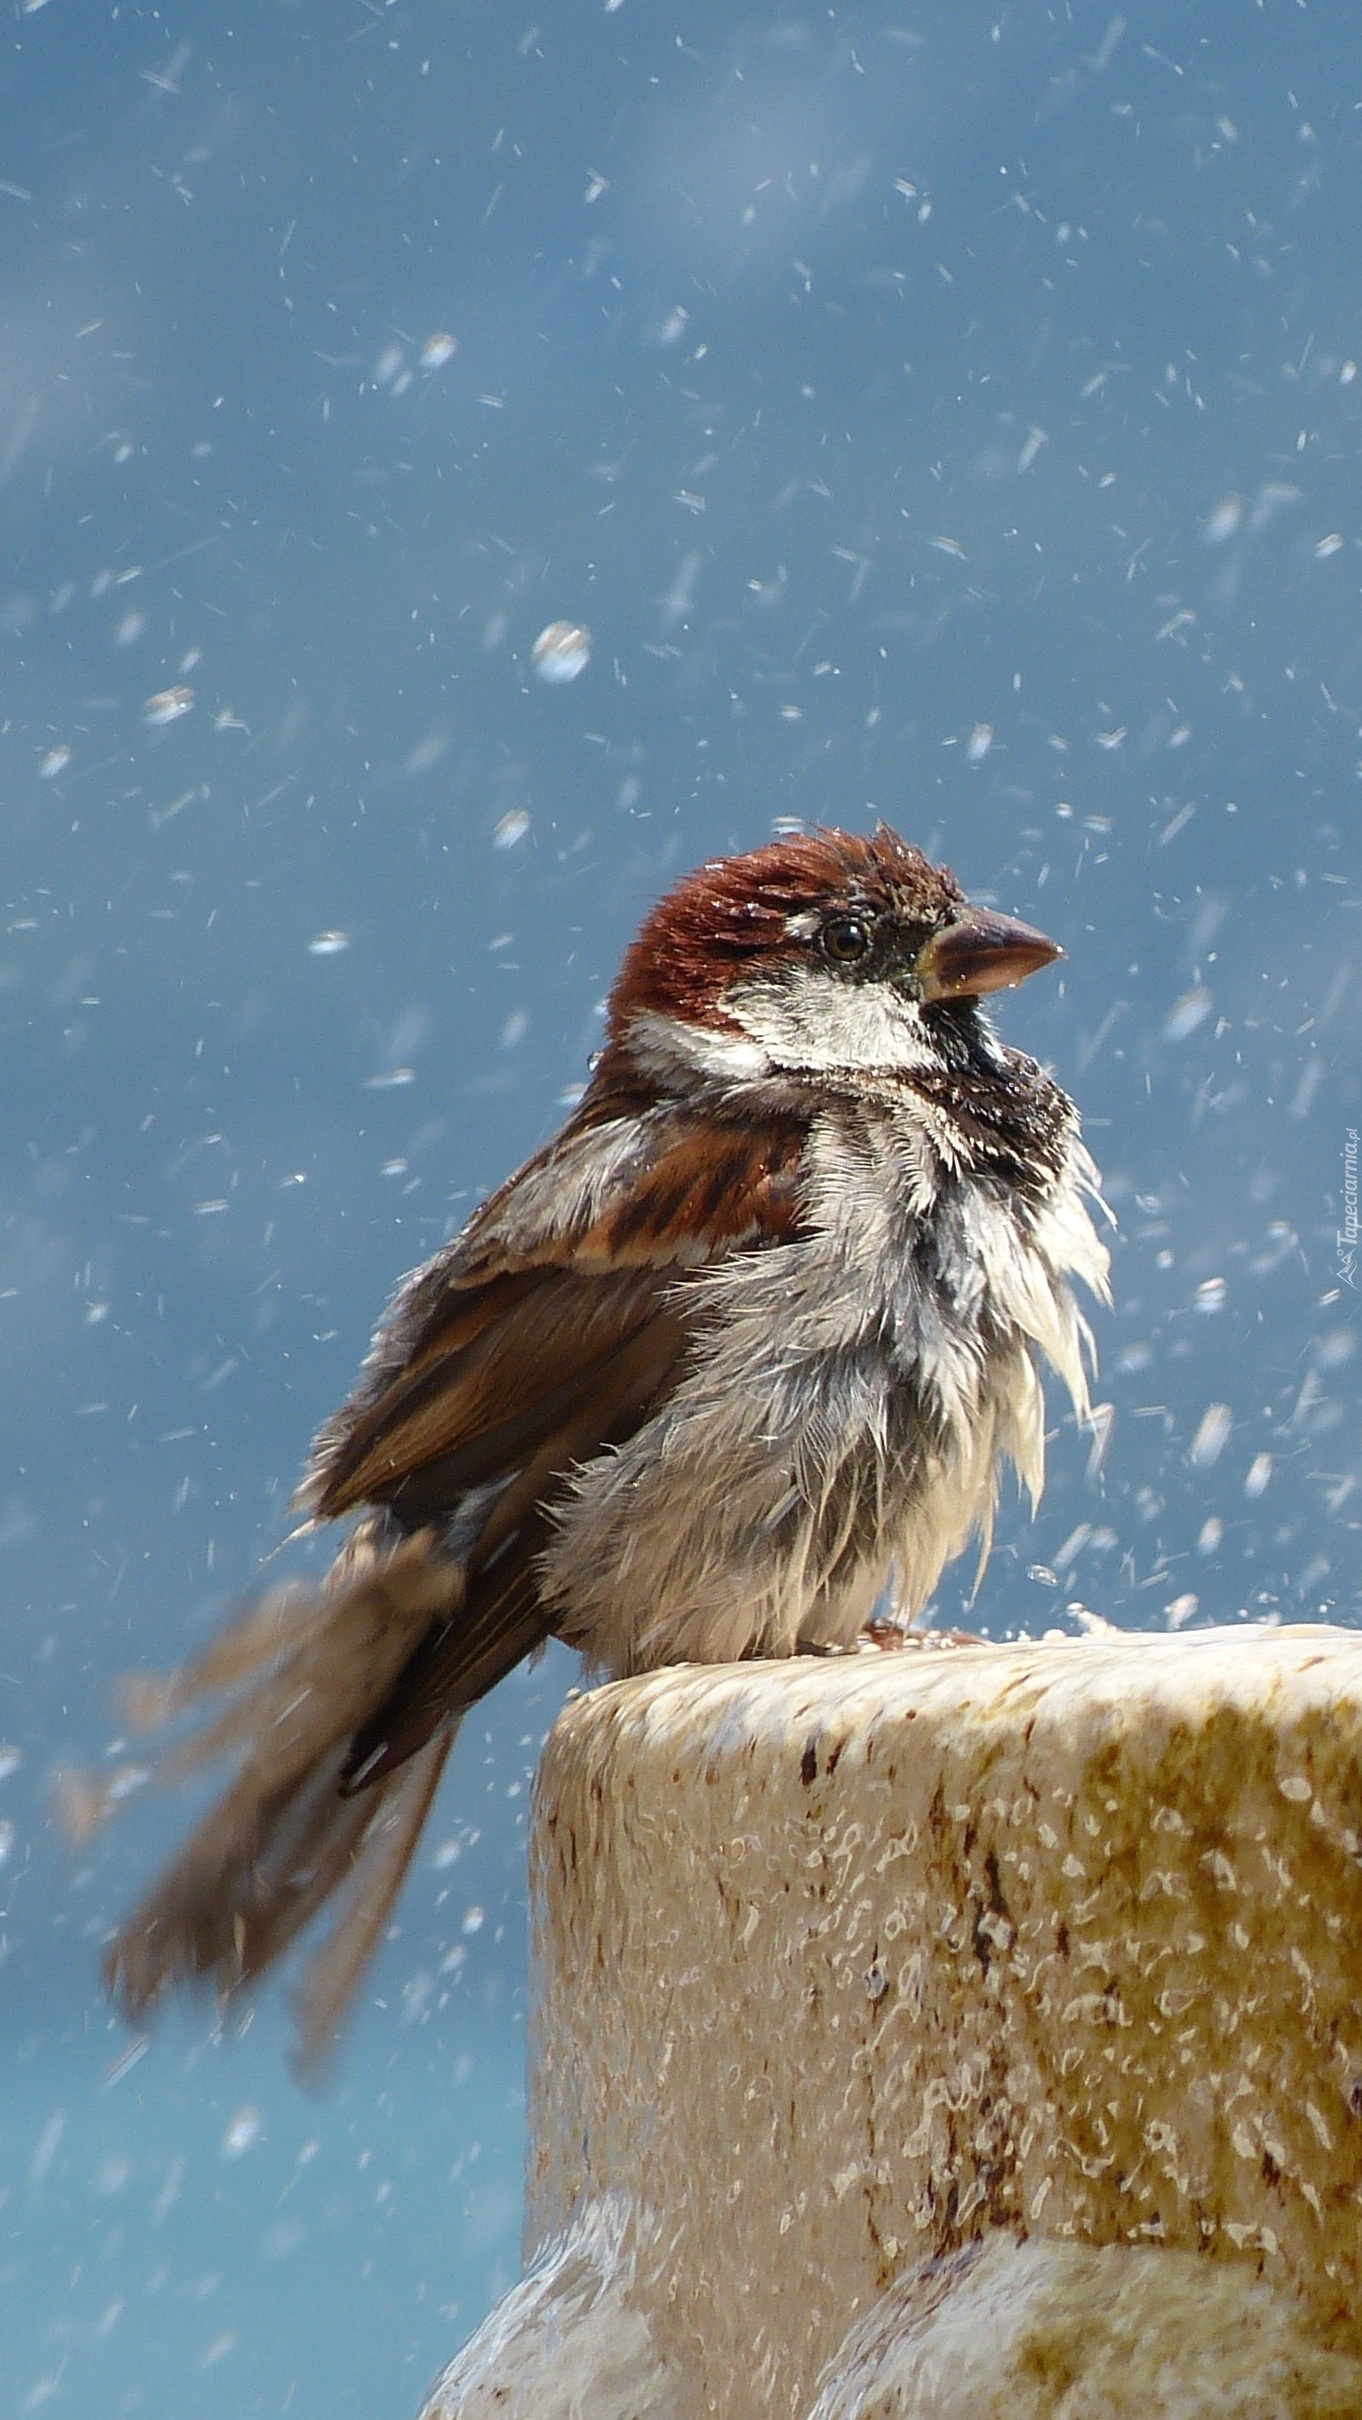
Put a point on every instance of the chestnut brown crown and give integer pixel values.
(867, 909)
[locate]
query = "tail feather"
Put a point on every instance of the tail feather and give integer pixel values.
(388, 1846)
(239, 1890)
(311, 1665)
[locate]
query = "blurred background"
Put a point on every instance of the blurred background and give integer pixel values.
(943, 413)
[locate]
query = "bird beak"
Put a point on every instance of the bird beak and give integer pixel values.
(981, 952)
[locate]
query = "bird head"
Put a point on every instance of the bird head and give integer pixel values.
(818, 952)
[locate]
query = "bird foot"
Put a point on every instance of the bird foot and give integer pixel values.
(888, 1636)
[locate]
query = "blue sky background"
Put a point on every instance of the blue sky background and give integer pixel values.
(943, 413)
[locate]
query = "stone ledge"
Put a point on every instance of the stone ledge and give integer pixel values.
(845, 1966)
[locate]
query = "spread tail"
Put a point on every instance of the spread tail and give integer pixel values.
(309, 1667)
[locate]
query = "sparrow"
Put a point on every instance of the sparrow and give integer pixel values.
(747, 1342)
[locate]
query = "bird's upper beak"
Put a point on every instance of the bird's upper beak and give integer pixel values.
(981, 952)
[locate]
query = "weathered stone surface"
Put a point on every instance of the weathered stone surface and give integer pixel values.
(1067, 2331)
(842, 1965)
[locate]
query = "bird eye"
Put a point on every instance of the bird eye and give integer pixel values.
(845, 939)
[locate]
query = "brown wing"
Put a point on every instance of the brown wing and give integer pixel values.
(497, 1373)
(558, 1271)
(545, 1334)
(517, 1358)
(604, 1352)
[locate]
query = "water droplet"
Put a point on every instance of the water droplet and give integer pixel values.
(167, 706)
(1224, 521)
(245, 2129)
(1187, 1014)
(561, 652)
(1212, 1436)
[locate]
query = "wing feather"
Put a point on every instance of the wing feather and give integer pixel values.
(545, 1334)
(477, 1410)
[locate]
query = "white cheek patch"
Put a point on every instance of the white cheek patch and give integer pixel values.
(817, 1020)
